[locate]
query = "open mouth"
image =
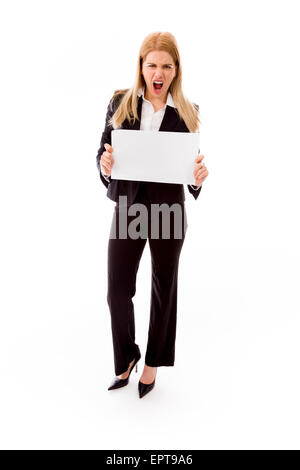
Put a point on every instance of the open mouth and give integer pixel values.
(157, 85)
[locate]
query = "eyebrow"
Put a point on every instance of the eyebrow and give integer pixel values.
(153, 63)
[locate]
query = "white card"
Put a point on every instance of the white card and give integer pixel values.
(159, 156)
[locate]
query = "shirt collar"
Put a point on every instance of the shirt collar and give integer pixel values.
(169, 102)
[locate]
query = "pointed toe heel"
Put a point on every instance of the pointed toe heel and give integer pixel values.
(118, 383)
(145, 388)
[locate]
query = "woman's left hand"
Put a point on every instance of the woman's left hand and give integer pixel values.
(200, 171)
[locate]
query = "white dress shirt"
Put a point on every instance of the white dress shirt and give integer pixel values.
(151, 120)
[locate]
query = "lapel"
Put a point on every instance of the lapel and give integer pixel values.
(169, 123)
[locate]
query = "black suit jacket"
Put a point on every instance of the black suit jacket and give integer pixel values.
(157, 192)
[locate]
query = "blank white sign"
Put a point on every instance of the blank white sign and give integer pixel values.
(159, 156)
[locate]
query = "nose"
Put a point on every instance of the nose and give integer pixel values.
(158, 77)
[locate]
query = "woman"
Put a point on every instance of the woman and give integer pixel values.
(155, 102)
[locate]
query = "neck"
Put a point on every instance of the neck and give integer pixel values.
(157, 101)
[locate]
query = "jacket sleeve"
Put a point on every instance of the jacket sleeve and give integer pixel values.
(194, 190)
(105, 139)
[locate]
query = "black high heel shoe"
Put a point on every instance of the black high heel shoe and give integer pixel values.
(118, 383)
(145, 388)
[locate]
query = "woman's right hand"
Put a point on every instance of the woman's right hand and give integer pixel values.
(106, 160)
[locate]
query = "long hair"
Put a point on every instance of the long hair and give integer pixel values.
(127, 108)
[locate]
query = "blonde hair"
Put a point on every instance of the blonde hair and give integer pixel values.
(127, 108)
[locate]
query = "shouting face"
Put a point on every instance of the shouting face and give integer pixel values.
(158, 70)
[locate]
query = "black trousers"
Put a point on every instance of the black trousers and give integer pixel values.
(124, 255)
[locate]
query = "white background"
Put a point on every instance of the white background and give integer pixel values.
(235, 383)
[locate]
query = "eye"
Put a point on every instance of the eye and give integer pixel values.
(166, 66)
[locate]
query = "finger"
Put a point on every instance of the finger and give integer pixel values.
(105, 172)
(198, 167)
(107, 159)
(105, 168)
(105, 163)
(108, 147)
(108, 155)
(200, 180)
(199, 158)
(202, 172)
(201, 169)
